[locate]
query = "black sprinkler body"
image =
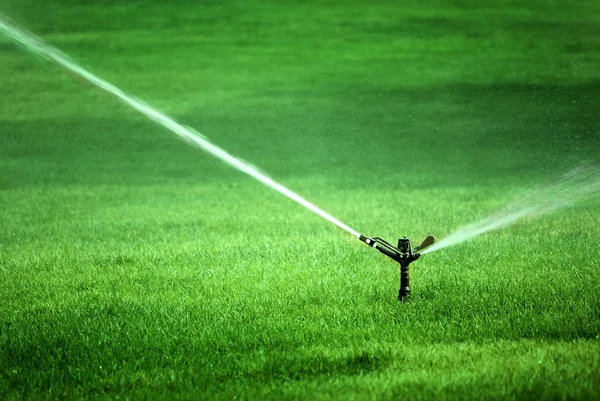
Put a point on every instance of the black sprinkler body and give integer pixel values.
(403, 254)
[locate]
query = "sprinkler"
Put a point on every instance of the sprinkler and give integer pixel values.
(403, 254)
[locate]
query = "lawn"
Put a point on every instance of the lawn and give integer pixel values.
(134, 266)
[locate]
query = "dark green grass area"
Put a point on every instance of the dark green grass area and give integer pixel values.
(134, 266)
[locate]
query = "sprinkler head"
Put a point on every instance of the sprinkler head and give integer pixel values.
(404, 254)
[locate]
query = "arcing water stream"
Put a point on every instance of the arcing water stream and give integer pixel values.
(37, 46)
(574, 186)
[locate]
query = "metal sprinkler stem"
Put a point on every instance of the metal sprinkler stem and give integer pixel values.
(403, 254)
(406, 257)
(404, 293)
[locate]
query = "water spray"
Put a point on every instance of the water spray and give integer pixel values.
(576, 185)
(403, 254)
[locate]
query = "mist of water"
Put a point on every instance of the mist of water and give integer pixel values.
(40, 48)
(578, 184)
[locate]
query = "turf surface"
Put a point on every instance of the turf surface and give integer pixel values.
(134, 266)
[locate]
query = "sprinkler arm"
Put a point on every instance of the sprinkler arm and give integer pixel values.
(427, 242)
(400, 256)
(385, 247)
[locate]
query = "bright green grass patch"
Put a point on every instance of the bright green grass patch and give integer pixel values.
(268, 300)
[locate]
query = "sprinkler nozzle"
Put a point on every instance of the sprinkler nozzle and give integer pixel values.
(404, 254)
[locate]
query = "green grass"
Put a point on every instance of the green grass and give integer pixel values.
(133, 266)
